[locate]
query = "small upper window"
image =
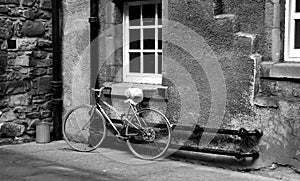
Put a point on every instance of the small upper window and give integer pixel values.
(143, 42)
(292, 31)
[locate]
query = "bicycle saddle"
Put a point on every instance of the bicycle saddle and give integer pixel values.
(134, 95)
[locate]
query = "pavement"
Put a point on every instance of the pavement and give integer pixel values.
(55, 161)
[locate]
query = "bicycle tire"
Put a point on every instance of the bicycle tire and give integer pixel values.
(84, 128)
(153, 140)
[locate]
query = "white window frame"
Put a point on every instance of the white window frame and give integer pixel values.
(139, 77)
(291, 54)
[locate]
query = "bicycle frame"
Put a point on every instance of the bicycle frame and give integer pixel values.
(120, 115)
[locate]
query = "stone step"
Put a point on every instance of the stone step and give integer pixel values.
(229, 30)
(281, 89)
(228, 22)
(245, 43)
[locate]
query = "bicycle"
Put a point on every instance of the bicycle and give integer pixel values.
(146, 131)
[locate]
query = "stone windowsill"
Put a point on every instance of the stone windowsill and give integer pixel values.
(149, 90)
(280, 70)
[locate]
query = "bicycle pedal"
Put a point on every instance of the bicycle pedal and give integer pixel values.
(121, 138)
(132, 134)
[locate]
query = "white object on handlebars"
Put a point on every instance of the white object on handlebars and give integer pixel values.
(134, 95)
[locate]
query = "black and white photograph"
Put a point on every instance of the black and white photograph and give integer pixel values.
(149, 90)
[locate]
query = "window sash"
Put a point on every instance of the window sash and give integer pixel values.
(153, 78)
(291, 53)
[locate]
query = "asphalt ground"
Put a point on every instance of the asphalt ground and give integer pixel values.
(55, 161)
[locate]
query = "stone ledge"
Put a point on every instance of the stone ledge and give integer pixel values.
(280, 70)
(149, 91)
(269, 102)
(265, 101)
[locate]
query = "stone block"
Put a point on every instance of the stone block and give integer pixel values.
(26, 44)
(3, 63)
(41, 43)
(44, 15)
(38, 101)
(14, 87)
(46, 4)
(50, 71)
(6, 29)
(8, 116)
(28, 2)
(33, 115)
(41, 63)
(38, 72)
(46, 114)
(11, 55)
(33, 29)
(12, 129)
(29, 14)
(17, 2)
(3, 78)
(4, 45)
(39, 54)
(287, 89)
(14, 12)
(6, 141)
(18, 29)
(19, 100)
(44, 85)
(4, 9)
(20, 116)
(21, 109)
(24, 70)
(266, 102)
(22, 61)
(47, 105)
(3, 103)
(14, 76)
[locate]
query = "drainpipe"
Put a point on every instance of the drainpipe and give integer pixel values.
(57, 69)
(94, 48)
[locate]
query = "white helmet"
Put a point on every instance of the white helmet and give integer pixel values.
(134, 95)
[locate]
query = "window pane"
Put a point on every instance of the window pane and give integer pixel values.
(297, 34)
(297, 5)
(135, 62)
(149, 38)
(149, 63)
(134, 15)
(134, 39)
(149, 14)
(159, 38)
(159, 13)
(159, 63)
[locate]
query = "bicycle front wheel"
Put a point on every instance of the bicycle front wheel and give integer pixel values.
(84, 128)
(153, 138)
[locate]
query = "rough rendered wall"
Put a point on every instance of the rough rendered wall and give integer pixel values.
(277, 112)
(231, 48)
(26, 63)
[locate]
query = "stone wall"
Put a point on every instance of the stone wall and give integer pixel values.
(26, 62)
(277, 109)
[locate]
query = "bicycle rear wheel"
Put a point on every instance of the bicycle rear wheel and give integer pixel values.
(84, 128)
(153, 140)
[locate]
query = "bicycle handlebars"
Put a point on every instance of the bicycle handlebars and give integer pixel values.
(98, 90)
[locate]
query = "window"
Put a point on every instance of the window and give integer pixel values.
(292, 31)
(143, 42)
